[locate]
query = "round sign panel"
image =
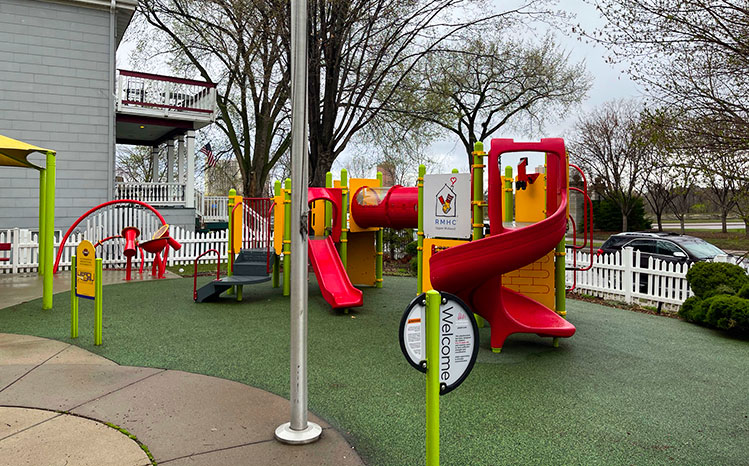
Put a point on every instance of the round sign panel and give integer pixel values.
(459, 339)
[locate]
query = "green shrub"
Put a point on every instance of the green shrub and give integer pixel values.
(728, 313)
(744, 292)
(414, 266)
(687, 307)
(719, 290)
(412, 248)
(705, 277)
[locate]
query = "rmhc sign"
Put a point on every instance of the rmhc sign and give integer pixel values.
(447, 205)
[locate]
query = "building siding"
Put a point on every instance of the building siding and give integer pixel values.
(54, 93)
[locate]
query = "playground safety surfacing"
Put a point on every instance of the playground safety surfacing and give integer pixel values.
(628, 388)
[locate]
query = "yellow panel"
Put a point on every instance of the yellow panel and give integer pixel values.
(354, 185)
(535, 280)
(318, 218)
(434, 245)
(85, 270)
(530, 203)
(361, 258)
(237, 224)
(278, 224)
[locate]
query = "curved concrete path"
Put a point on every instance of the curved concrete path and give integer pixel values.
(183, 418)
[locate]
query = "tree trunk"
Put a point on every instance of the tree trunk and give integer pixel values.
(658, 218)
(624, 222)
(746, 226)
(681, 222)
(724, 221)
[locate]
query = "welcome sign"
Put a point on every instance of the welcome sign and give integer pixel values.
(458, 343)
(447, 205)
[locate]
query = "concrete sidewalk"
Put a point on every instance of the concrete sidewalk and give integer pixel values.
(56, 398)
(183, 418)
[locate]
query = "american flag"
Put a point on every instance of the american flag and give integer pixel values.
(209, 153)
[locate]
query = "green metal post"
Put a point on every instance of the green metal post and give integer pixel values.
(42, 217)
(478, 190)
(560, 283)
(49, 230)
(508, 195)
(432, 322)
(98, 327)
(344, 219)
(239, 292)
(478, 200)
(73, 299)
(229, 257)
(420, 230)
(378, 248)
(455, 170)
(287, 238)
(276, 258)
(328, 209)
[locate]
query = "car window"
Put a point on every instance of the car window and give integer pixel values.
(667, 248)
(701, 249)
(644, 245)
(614, 242)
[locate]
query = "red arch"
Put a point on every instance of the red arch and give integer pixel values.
(335, 196)
(100, 206)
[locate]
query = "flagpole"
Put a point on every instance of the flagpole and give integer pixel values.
(299, 430)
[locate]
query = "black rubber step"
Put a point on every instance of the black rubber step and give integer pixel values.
(212, 291)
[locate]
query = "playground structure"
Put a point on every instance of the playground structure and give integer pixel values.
(14, 153)
(513, 278)
(158, 245)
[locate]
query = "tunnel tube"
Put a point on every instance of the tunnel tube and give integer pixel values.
(395, 207)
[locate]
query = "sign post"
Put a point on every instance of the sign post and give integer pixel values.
(439, 336)
(86, 282)
(73, 300)
(433, 380)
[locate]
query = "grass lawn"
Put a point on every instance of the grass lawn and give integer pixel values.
(628, 388)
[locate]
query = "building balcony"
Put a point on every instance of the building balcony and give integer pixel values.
(208, 209)
(152, 108)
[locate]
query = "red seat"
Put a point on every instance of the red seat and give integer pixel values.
(4, 247)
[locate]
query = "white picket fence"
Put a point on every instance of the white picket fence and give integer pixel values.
(621, 277)
(105, 223)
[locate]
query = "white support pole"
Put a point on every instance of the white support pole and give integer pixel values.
(170, 161)
(181, 159)
(155, 164)
(190, 180)
(299, 430)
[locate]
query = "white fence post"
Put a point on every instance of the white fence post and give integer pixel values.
(627, 274)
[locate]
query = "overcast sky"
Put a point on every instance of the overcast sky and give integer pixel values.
(609, 82)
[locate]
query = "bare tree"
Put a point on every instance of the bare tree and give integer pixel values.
(490, 82)
(241, 45)
(691, 55)
(363, 51)
(611, 144)
(135, 164)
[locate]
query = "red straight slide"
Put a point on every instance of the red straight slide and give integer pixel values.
(473, 270)
(334, 283)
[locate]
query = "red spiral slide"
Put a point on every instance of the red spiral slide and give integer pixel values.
(473, 271)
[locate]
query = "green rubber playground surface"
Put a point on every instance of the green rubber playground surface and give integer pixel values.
(628, 388)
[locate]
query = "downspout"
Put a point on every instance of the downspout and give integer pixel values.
(111, 115)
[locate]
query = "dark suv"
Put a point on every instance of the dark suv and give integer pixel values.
(670, 247)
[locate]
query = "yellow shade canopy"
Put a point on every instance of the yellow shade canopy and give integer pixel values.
(14, 153)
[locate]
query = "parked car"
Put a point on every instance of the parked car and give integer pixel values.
(666, 246)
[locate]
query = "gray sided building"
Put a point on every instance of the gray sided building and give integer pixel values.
(57, 72)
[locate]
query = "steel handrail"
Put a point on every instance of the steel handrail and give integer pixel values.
(195, 271)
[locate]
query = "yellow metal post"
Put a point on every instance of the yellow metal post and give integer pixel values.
(287, 238)
(378, 248)
(344, 219)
